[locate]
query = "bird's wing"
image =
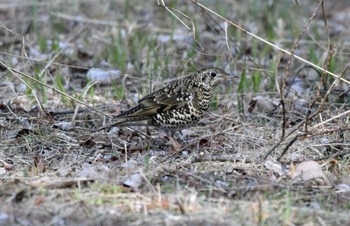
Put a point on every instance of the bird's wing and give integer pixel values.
(156, 102)
(175, 95)
(165, 99)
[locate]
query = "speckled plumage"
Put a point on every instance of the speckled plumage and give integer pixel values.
(176, 105)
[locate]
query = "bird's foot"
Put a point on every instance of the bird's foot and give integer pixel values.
(176, 146)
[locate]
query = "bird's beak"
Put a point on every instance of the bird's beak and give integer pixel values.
(231, 75)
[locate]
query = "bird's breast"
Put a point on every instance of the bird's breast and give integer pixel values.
(203, 98)
(177, 118)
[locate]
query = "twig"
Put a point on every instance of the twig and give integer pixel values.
(221, 159)
(335, 82)
(307, 118)
(331, 119)
(162, 4)
(270, 43)
(18, 74)
(339, 154)
(288, 145)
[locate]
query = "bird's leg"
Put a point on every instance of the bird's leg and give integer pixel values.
(181, 136)
(176, 145)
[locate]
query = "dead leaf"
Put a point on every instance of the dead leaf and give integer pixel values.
(261, 103)
(49, 183)
(131, 164)
(20, 195)
(18, 133)
(203, 142)
(88, 143)
(342, 188)
(5, 219)
(309, 170)
(89, 171)
(2, 171)
(276, 167)
(23, 102)
(7, 164)
(133, 181)
(65, 126)
(102, 76)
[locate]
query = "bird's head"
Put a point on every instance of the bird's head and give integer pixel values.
(210, 77)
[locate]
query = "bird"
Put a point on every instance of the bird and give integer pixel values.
(178, 105)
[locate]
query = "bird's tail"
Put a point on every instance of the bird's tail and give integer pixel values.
(128, 113)
(114, 123)
(127, 118)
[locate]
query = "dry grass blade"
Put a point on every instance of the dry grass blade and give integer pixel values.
(332, 119)
(270, 43)
(54, 170)
(18, 74)
(162, 4)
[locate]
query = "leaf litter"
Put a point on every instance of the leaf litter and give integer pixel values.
(55, 170)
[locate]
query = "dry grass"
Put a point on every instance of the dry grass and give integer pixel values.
(55, 170)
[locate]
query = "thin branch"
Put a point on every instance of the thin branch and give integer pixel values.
(270, 43)
(18, 74)
(162, 5)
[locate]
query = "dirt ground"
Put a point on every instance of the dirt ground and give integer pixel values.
(272, 150)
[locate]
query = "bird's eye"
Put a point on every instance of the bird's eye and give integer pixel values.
(212, 74)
